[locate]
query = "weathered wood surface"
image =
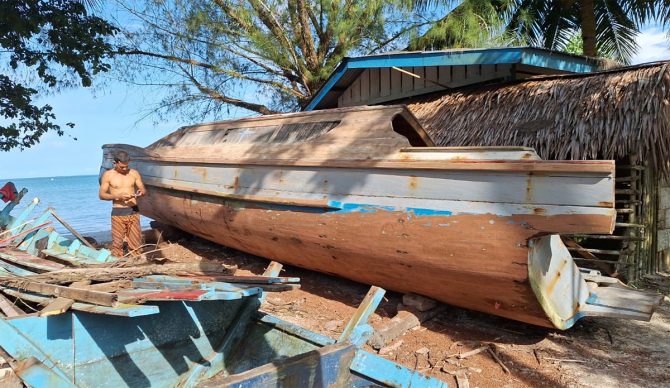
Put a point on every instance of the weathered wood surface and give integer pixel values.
(56, 306)
(27, 260)
(88, 296)
(8, 308)
(105, 274)
(391, 249)
(372, 200)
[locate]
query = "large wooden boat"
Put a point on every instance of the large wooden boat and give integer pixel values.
(363, 193)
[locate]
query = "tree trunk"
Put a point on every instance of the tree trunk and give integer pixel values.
(588, 15)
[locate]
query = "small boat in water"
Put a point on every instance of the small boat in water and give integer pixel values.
(363, 193)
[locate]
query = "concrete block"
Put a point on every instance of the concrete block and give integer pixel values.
(664, 198)
(419, 302)
(663, 240)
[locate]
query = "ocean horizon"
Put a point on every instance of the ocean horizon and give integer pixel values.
(75, 200)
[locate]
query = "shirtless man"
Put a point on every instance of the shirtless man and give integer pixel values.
(122, 185)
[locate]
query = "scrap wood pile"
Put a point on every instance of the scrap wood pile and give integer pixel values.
(48, 287)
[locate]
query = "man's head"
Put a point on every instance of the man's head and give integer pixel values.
(121, 160)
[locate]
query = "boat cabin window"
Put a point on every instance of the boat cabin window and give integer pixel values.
(402, 127)
(266, 134)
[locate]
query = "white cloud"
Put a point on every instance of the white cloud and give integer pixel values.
(654, 46)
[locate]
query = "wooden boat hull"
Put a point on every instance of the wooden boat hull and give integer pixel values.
(473, 254)
(364, 194)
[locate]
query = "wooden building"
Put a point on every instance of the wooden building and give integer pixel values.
(564, 106)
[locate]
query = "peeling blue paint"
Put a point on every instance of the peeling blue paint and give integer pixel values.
(367, 208)
(428, 212)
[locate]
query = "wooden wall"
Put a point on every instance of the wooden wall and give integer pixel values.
(378, 85)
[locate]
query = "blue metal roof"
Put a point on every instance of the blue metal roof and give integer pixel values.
(347, 71)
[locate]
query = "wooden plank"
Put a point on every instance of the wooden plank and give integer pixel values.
(385, 82)
(27, 260)
(396, 84)
(431, 75)
(419, 83)
(14, 269)
(600, 264)
(112, 286)
(607, 237)
(7, 241)
(93, 297)
(121, 310)
(444, 74)
(572, 166)
(56, 306)
(374, 82)
(407, 80)
(71, 229)
(365, 85)
(593, 250)
(8, 308)
(355, 91)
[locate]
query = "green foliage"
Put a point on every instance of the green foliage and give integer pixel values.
(612, 24)
(260, 56)
(575, 45)
(471, 24)
(50, 39)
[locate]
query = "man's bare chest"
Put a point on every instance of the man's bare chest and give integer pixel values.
(120, 181)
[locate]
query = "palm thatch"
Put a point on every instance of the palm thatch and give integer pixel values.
(611, 114)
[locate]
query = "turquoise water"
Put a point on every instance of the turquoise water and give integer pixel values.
(75, 199)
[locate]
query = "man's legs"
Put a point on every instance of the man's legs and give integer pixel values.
(118, 233)
(134, 236)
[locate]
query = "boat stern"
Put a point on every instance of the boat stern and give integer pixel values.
(568, 293)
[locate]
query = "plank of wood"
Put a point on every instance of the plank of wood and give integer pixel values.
(462, 379)
(112, 286)
(93, 297)
(104, 273)
(8, 308)
(473, 352)
(572, 166)
(7, 241)
(71, 229)
(27, 260)
(81, 284)
(56, 306)
(599, 263)
(121, 310)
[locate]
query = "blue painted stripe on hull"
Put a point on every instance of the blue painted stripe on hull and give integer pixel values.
(365, 208)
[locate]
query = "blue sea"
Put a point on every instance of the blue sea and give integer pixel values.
(75, 199)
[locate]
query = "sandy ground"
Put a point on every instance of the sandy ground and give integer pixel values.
(595, 353)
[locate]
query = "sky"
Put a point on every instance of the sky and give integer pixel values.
(111, 115)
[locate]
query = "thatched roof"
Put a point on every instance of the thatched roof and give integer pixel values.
(610, 115)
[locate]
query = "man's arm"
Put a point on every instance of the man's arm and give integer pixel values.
(103, 193)
(140, 185)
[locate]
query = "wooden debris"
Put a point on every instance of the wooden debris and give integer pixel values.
(103, 274)
(406, 319)
(56, 306)
(563, 360)
(112, 286)
(498, 360)
(389, 349)
(71, 229)
(473, 352)
(462, 379)
(8, 308)
(419, 302)
(93, 297)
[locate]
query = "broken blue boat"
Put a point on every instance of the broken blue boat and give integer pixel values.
(163, 330)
